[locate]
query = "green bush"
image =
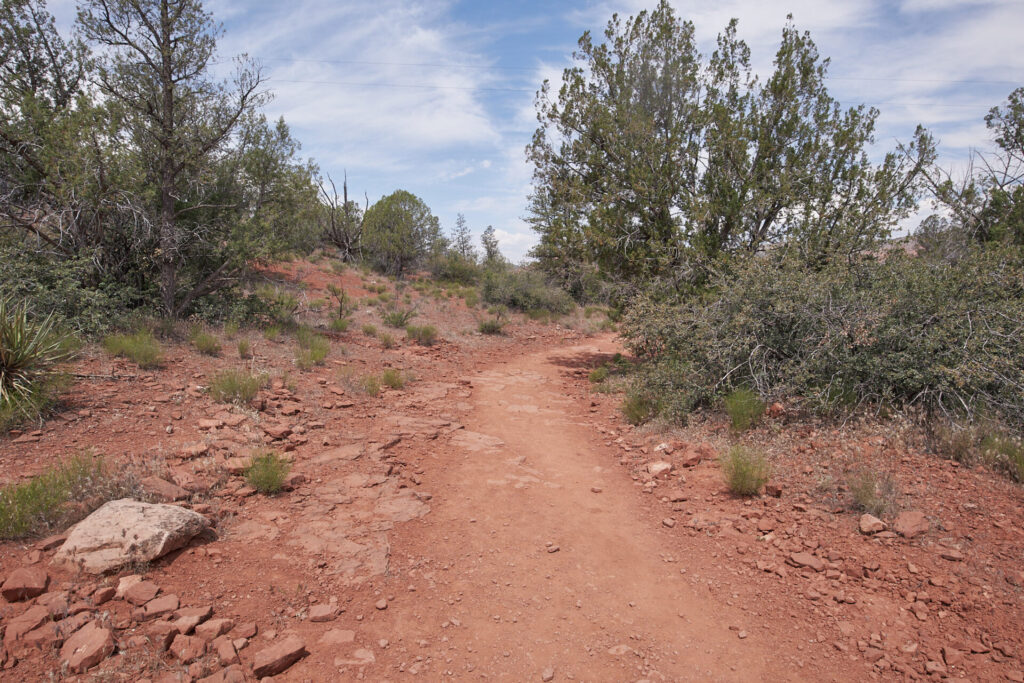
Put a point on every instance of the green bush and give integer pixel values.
(392, 379)
(598, 375)
(370, 330)
(206, 343)
(387, 340)
(340, 324)
(745, 471)
(940, 334)
(29, 353)
(873, 493)
(744, 408)
(313, 348)
(43, 502)
(424, 335)
(236, 386)
(524, 290)
(267, 472)
(454, 267)
(141, 348)
(492, 326)
(638, 408)
(244, 349)
(398, 317)
(370, 385)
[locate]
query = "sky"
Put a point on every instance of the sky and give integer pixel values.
(436, 96)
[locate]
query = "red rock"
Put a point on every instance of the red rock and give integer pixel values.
(205, 424)
(277, 431)
(952, 656)
(194, 450)
(141, 592)
(187, 648)
(278, 657)
(869, 524)
(321, 613)
(910, 523)
(87, 647)
(807, 560)
(162, 633)
(24, 583)
(46, 637)
(56, 603)
(659, 467)
(951, 554)
(776, 410)
(773, 490)
(248, 630)
(213, 628)
(31, 619)
(232, 674)
(165, 604)
(162, 490)
(51, 542)
(103, 594)
(225, 649)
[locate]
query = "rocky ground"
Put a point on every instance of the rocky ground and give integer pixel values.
(496, 519)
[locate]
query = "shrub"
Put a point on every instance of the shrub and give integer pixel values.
(29, 354)
(140, 348)
(370, 385)
(44, 502)
(524, 290)
(370, 330)
(392, 379)
(267, 472)
(745, 471)
(340, 324)
(387, 340)
(873, 493)
(425, 335)
(272, 333)
(891, 332)
(398, 317)
(744, 408)
(206, 343)
(1004, 453)
(345, 304)
(471, 297)
(244, 349)
(231, 328)
(236, 386)
(637, 408)
(313, 348)
(280, 305)
(492, 326)
(598, 375)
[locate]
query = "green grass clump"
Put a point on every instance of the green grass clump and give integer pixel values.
(42, 503)
(339, 324)
(387, 340)
(141, 348)
(872, 492)
(267, 472)
(1005, 453)
(398, 317)
(637, 408)
(370, 330)
(272, 333)
(392, 379)
(425, 335)
(236, 386)
(370, 385)
(244, 349)
(313, 348)
(598, 375)
(29, 352)
(744, 408)
(491, 326)
(745, 471)
(206, 343)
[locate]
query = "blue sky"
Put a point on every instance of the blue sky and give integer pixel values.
(436, 97)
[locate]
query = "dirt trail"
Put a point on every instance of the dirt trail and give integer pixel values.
(545, 570)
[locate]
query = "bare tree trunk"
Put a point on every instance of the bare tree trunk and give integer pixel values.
(168, 232)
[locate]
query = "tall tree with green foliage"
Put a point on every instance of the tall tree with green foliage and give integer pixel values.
(154, 68)
(658, 163)
(462, 240)
(489, 242)
(399, 232)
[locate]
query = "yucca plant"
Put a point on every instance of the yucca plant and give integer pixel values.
(29, 350)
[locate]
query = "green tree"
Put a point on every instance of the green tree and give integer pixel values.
(654, 162)
(154, 68)
(489, 241)
(987, 203)
(399, 232)
(341, 220)
(462, 240)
